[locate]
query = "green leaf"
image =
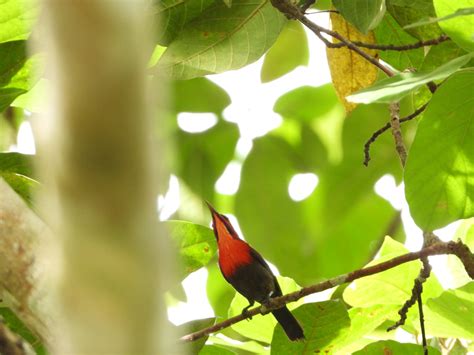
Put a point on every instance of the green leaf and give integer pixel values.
(198, 95)
(202, 157)
(457, 271)
(173, 15)
(400, 85)
(363, 322)
(450, 314)
(191, 327)
(287, 53)
(16, 170)
(407, 12)
(247, 346)
(440, 54)
(457, 13)
(394, 348)
(390, 32)
(16, 19)
(17, 326)
(35, 99)
(16, 163)
(196, 244)
(365, 15)
(223, 39)
(215, 350)
(439, 174)
(16, 71)
(300, 103)
(459, 28)
(260, 327)
(323, 119)
(323, 324)
(219, 292)
(390, 287)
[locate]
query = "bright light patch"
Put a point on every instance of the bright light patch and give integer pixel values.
(25, 140)
(302, 185)
(244, 146)
(387, 188)
(196, 122)
(228, 183)
(198, 306)
(169, 204)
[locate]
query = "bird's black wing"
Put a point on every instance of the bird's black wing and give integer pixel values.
(255, 254)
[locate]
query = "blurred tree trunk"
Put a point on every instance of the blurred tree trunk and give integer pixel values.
(100, 178)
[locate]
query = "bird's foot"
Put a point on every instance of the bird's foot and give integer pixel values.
(246, 313)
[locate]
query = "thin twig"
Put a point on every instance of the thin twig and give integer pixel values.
(394, 108)
(456, 248)
(392, 47)
(422, 323)
(415, 292)
(378, 132)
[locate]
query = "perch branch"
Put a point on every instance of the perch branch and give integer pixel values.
(456, 248)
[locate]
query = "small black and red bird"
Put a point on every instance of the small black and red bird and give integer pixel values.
(244, 268)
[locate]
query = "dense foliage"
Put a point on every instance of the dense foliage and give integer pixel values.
(344, 222)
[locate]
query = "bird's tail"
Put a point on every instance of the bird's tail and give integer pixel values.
(289, 323)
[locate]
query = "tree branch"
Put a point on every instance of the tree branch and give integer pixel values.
(378, 132)
(456, 248)
(406, 47)
(396, 131)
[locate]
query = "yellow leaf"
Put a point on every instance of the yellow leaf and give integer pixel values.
(349, 71)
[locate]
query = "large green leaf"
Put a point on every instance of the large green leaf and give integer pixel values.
(363, 322)
(391, 287)
(260, 327)
(223, 39)
(400, 85)
(173, 15)
(302, 238)
(451, 314)
(439, 175)
(198, 95)
(202, 157)
(16, 19)
(196, 244)
(390, 32)
(394, 348)
(407, 12)
(324, 324)
(289, 51)
(16, 71)
(365, 15)
(459, 28)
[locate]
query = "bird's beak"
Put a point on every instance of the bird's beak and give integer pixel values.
(212, 209)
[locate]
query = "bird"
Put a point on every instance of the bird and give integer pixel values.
(246, 270)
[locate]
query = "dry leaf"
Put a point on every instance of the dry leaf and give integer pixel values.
(349, 71)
